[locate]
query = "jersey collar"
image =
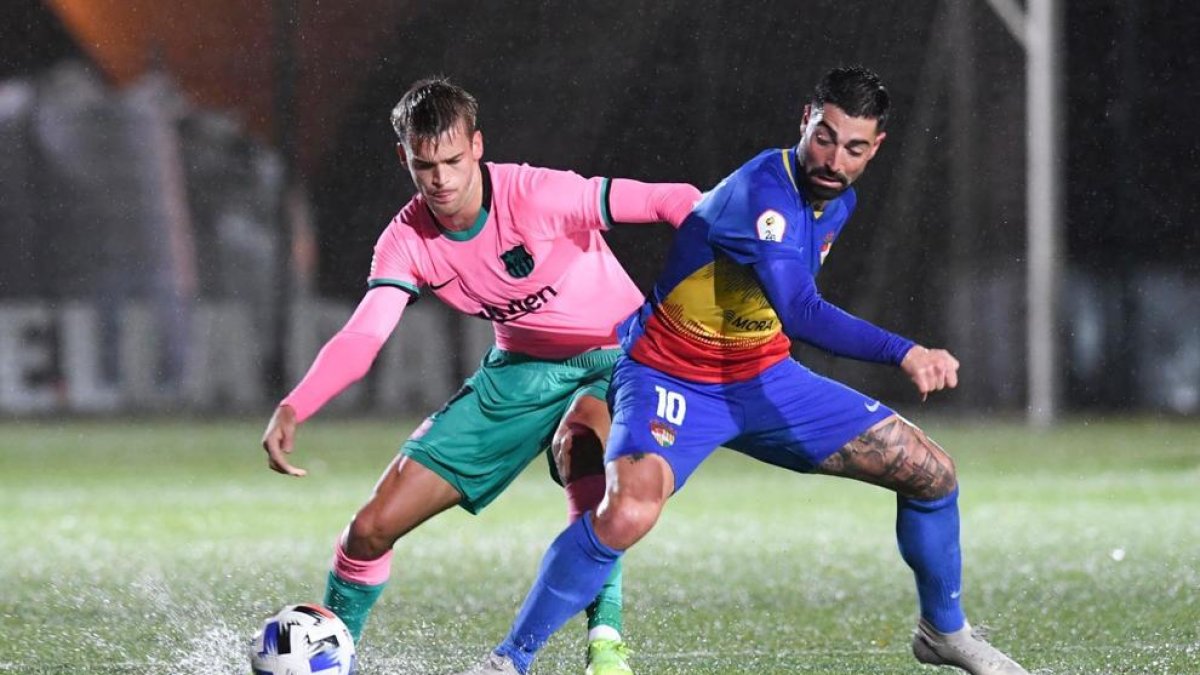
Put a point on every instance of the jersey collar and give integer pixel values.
(485, 208)
(791, 162)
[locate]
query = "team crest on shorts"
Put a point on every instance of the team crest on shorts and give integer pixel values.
(663, 434)
(517, 262)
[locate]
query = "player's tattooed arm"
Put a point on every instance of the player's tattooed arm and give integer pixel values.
(896, 455)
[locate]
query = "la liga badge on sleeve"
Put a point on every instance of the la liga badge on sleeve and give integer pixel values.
(770, 225)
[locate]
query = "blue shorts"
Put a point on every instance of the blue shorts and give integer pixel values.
(787, 416)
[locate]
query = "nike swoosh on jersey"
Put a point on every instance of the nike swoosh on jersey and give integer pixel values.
(434, 287)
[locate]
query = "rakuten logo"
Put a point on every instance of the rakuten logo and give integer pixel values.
(518, 308)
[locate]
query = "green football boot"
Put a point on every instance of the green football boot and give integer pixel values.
(607, 657)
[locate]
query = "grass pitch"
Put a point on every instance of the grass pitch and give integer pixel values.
(159, 547)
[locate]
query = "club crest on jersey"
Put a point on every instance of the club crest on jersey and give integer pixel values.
(826, 245)
(663, 434)
(517, 262)
(771, 225)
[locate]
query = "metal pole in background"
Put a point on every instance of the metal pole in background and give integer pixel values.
(1043, 208)
(1039, 31)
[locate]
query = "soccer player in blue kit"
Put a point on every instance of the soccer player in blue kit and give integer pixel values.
(707, 364)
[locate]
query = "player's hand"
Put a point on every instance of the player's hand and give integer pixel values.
(930, 369)
(278, 439)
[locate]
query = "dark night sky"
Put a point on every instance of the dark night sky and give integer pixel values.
(1133, 161)
(675, 94)
(675, 91)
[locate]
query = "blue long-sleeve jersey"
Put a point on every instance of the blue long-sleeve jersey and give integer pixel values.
(740, 281)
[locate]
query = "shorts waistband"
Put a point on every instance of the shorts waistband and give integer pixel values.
(588, 359)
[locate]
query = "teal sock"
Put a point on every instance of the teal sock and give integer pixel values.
(351, 602)
(605, 610)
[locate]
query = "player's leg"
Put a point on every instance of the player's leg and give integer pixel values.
(578, 562)
(895, 454)
(805, 422)
(649, 457)
(663, 428)
(406, 495)
(466, 453)
(578, 454)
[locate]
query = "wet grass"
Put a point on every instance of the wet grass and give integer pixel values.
(158, 548)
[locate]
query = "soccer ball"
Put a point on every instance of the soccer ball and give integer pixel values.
(302, 639)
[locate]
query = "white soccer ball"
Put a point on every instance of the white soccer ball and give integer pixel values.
(302, 639)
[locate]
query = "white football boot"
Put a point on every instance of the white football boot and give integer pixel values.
(494, 664)
(965, 648)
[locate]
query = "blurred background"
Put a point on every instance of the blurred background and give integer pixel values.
(190, 192)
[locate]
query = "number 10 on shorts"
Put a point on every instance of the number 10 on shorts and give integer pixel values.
(671, 405)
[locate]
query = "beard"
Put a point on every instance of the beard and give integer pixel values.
(823, 192)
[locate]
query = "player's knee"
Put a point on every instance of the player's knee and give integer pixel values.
(944, 476)
(923, 470)
(578, 452)
(620, 523)
(949, 482)
(368, 536)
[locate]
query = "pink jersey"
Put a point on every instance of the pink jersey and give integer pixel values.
(534, 263)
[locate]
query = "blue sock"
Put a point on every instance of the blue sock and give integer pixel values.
(927, 532)
(573, 570)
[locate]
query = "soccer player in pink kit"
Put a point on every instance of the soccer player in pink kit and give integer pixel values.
(521, 247)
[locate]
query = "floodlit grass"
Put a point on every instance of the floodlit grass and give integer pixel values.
(154, 547)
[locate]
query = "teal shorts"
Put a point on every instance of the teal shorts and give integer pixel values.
(504, 416)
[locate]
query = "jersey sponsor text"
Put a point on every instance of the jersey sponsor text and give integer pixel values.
(519, 307)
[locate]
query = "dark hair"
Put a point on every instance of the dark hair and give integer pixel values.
(856, 90)
(432, 107)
